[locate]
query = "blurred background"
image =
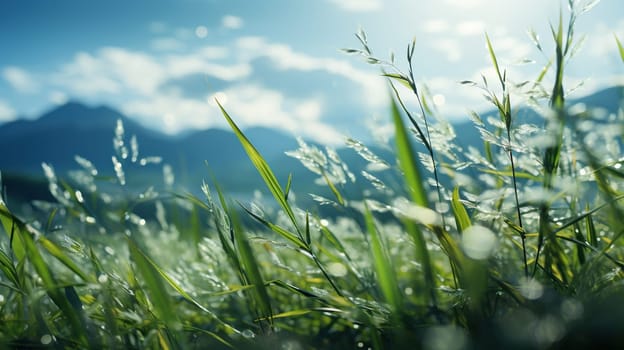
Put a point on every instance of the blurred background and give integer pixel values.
(277, 63)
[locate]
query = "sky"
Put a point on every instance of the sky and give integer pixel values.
(278, 63)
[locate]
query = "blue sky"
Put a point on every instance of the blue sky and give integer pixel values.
(276, 63)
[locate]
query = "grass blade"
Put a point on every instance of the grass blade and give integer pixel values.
(251, 271)
(334, 190)
(9, 270)
(277, 229)
(620, 48)
(406, 156)
(493, 58)
(160, 299)
(263, 168)
(383, 265)
(462, 220)
(56, 252)
(11, 226)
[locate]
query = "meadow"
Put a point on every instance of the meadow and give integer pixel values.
(515, 244)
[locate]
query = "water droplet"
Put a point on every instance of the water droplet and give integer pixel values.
(109, 250)
(439, 100)
(445, 338)
(571, 309)
(248, 333)
(531, 288)
(337, 269)
(46, 339)
(103, 278)
(415, 212)
(201, 32)
(360, 344)
(409, 291)
(168, 176)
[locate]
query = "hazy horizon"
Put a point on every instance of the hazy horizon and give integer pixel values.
(277, 63)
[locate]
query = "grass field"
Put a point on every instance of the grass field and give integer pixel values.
(522, 251)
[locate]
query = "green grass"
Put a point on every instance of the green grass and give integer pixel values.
(526, 254)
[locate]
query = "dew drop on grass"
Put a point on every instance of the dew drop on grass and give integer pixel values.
(79, 196)
(248, 333)
(168, 176)
(479, 242)
(119, 172)
(291, 345)
(571, 309)
(103, 278)
(549, 330)
(337, 269)
(134, 147)
(1, 299)
(445, 338)
(418, 213)
(46, 339)
(531, 288)
(109, 250)
(360, 344)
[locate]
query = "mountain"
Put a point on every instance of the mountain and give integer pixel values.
(75, 129)
(609, 99)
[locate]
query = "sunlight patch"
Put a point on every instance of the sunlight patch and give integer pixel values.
(232, 22)
(479, 242)
(201, 32)
(435, 26)
(358, 5)
(337, 269)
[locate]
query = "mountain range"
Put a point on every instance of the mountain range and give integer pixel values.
(76, 129)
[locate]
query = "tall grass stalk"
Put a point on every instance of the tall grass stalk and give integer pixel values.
(106, 265)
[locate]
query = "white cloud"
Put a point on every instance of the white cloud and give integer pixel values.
(111, 71)
(358, 5)
(6, 112)
(470, 28)
(509, 49)
(58, 97)
(213, 52)
(250, 105)
(86, 75)
(20, 80)
(449, 47)
(136, 82)
(435, 26)
(465, 4)
(181, 65)
(602, 42)
(285, 58)
(232, 22)
(172, 112)
(166, 44)
(255, 105)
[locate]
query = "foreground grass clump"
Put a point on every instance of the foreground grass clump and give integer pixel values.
(513, 245)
